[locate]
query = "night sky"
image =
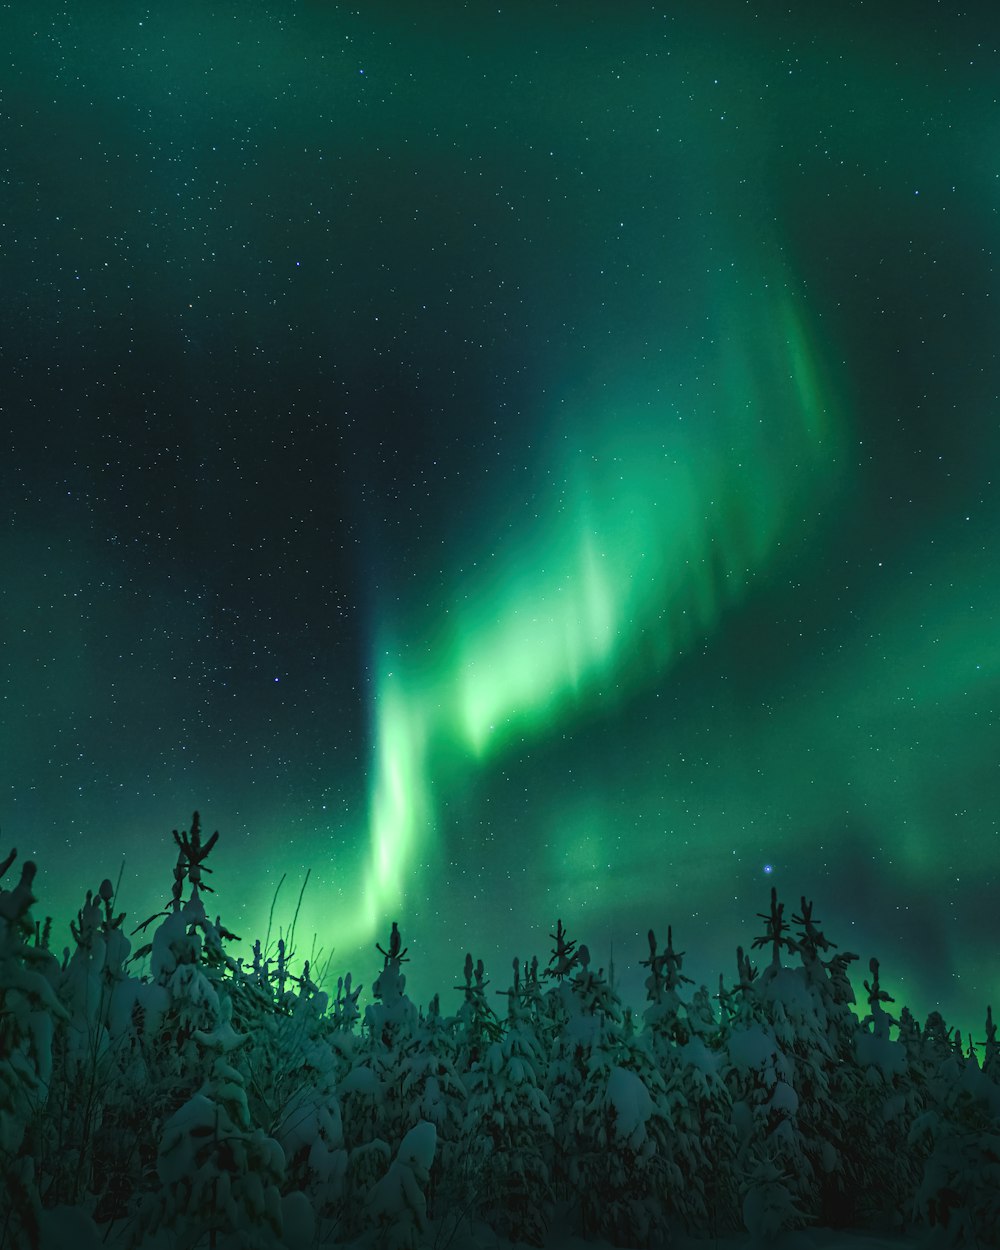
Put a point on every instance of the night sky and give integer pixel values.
(513, 461)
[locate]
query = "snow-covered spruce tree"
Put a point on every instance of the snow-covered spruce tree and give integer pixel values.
(343, 1025)
(665, 1016)
(392, 1012)
(29, 1011)
(683, 1161)
(190, 976)
(346, 1012)
(508, 1124)
(188, 967)
(991, 1051)
(613, 1137)
(759, 1076)
(431, 1089)
(391, 1021)
(214, 1173)
(219, 1176)
(371, 1092)
(959, 1136)
(891, 1168)
(566, 1067)
(700, 1194)
(396, 1207)
(807, 1011)
(810, 1010)
(302, 1102)
(98, 1080)
(475, 1025)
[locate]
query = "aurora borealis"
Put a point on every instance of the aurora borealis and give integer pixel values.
(515, 462)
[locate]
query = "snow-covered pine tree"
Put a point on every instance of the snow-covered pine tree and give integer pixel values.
(299, 1102)
(92, 1113)
(759, 1075)
(559, 1030)
(683, 1159)
(475, 1025)
(392, 1012)
(219, 1176)
(611, 1136)
(346, 1011)
(888, 1169)
(396, 1207)
(665, 1015)
(187, 966)
(958, 1138)
(832, 1111)
(991, 1051)
(703, 1139)
(183, 1019)
(432, 1090)
(564, 958)
(371, 1094)
(508, 1124)
(29, 1010)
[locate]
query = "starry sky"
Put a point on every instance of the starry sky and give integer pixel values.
(509, 461)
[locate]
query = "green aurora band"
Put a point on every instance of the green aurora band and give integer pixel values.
(667, 511)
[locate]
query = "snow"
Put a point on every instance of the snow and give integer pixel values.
(881, 1056)
(417, 1148)
(784, 1098)
(751, 1047)
(632, 1103)
(697, 1055)
(361, 1080)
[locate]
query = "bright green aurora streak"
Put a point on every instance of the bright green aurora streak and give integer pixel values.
(672, 505)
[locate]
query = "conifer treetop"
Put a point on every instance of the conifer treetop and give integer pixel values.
(396, 952)
(811, 940)
(564, 954)
(664, 969)
(16, 903)
(193, 854)
(745, 970)
(776, 930)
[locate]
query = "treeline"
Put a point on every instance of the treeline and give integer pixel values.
(178, 1096)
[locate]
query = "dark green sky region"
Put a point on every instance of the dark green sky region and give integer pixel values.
(515, 461)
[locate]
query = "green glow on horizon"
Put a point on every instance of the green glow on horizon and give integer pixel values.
(665, 511)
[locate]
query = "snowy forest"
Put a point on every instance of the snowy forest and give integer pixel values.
(179, 1094)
